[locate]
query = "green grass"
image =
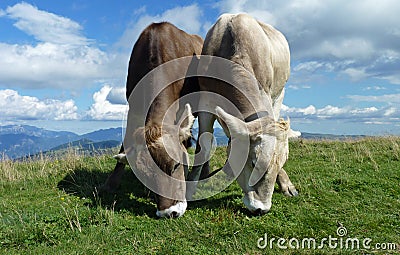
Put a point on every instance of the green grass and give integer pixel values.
(50, 206)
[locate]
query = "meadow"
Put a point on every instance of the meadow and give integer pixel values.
(349, 203)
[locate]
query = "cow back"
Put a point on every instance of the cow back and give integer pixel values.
(156, 45)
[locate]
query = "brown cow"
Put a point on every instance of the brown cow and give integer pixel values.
(159, 43)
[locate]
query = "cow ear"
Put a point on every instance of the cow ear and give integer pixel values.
(233, 127)
(186, 123)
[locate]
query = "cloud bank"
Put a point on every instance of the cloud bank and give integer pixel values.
(61, 57)
(45, 26)
(14, 106)
(358, 38)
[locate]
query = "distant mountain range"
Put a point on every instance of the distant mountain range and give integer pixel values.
(314, 136)
(18, 141)
(23, 140)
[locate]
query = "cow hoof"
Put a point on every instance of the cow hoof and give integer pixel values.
(174, 211)
(291, 192)
(259, 212)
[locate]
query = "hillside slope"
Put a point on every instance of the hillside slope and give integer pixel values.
(348, 191)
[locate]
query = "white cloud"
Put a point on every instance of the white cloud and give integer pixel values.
(389, 98)
(309, 110)
(394, 79)
(367, 110)
(186, 18)
(330, 111)
(390, 111)
(357, 38)
(356, 74)
(377, 123)
(309, 66)
(261, 10)
(298, 87)
(62, 57)
(345, 48)
(45, 26)
(117, 96)
(51, 65)
(102, 109)
(14, 106)
(383, 110)
(348, 114)
(375, 88)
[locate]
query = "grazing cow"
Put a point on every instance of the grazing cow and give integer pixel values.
(158, 44)
(261, 68)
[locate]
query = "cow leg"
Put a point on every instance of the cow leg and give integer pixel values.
(285, 185)
(114, 179)
(277, 105)
(201, 167)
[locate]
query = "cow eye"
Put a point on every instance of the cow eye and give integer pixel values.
(253, 163)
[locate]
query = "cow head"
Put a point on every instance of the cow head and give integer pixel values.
(267, 154)
(164, 152)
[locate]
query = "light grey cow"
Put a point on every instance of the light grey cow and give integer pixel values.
(261, 68)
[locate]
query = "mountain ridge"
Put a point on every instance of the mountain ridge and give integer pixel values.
(18, 141)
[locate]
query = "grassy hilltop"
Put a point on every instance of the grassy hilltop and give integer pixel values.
(50, 206)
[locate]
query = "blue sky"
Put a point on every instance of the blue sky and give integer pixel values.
(63, 63)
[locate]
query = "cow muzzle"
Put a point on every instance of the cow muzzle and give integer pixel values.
(256, 206)
(175, 211)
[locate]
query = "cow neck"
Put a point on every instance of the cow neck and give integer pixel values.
(157, 116)
(258, 108)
